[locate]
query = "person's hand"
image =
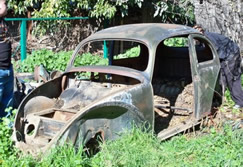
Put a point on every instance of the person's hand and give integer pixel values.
(199, 28)
(3, 8)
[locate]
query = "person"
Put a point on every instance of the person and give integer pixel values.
(230, 61)
(6, 69)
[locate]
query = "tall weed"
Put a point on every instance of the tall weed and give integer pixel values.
(139, 149)
(6, 145)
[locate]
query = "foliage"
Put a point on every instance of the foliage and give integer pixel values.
(6, 144)
(104, 9)
(168, 10)
(175, 11)
(216, 149)
(58, 61)
(65, 8)
(228, 98)
(47, 58)
(65, 156)
(20, 7)
(55, 61)
(137, 148)
(89, 59)
(133, 52)
(134, 148)
(176, 42)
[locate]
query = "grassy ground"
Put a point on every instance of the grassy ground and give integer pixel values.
(212, 146)
(136, 148)
(139, 149)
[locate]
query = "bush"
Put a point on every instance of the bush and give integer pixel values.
(133, 52)
(6, 145)
(56, 61)
(176, 42)
(89, 59)
(50, 60)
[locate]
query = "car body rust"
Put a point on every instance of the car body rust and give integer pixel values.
(170, 88)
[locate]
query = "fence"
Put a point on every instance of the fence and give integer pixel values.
(23, 29)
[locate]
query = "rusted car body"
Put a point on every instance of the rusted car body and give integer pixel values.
(73, 108)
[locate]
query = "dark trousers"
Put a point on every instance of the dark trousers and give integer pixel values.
(231, 78)
(6, 89)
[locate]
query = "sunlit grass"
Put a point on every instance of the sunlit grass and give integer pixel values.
(139, 149)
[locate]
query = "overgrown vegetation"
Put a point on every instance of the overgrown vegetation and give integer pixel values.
(47, 58)
(180, 12)
(141, 149)
(6, 145)
(177, 42)
(133, 52)
(56, 61)
(137, 148)
(213, 146)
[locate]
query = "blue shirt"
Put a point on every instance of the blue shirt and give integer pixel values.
(225, 46)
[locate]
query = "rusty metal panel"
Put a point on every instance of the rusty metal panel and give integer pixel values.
(72, 109)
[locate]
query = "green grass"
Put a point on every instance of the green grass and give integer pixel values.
(139, 149)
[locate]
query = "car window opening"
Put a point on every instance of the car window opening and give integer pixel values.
(118, 53)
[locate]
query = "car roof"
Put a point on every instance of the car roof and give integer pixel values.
(149, 33)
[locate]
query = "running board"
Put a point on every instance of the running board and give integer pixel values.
(172, 107)
(165, 134)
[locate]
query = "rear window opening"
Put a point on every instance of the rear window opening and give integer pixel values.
(118, 53)
(176, 42)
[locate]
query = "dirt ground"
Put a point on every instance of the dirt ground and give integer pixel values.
(217, 121)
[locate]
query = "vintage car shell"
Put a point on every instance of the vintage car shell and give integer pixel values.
(116, 111)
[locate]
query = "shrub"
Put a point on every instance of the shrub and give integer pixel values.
(6, 145)
(133, 52)
(56, 61)
(50, 60)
